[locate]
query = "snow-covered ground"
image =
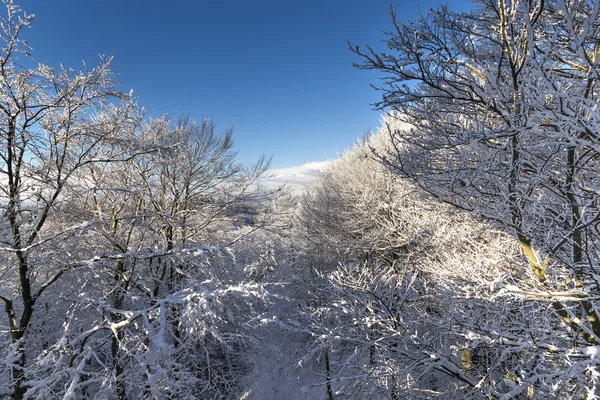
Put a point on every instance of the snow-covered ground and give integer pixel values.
(278, 371)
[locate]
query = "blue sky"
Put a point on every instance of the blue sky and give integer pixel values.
(278, 71)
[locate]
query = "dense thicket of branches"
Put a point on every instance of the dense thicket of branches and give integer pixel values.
(450, 254)
(118, 238)
(502, 110)
(411, 296)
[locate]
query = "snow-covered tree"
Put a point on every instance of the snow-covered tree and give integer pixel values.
(407, 286)
(503, 114)
(53, 123)
(118, 240)
(161, 308)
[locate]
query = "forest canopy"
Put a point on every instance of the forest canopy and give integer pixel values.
(450, 254)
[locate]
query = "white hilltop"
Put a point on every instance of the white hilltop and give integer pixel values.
(294, 177)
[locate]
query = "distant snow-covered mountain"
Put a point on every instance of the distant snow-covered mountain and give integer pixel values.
(294, 177)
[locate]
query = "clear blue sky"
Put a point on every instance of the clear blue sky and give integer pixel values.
(278, 71)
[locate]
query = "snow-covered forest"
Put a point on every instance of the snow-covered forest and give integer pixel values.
(450, 254)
